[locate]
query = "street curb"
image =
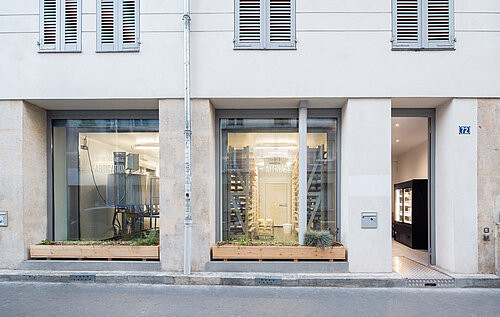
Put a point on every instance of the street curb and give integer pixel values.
(283, 280)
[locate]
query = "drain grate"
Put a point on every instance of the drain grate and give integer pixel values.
(268, 280)
(82, 277)
(419, 275)
(430, 282)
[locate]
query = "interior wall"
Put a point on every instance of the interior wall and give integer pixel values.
(267, 196)
(412, 164)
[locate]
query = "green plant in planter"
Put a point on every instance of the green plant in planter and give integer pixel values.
(152, 238)
(318, 239)
(46, 242)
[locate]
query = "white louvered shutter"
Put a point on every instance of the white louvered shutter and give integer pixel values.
(281, 24)
(106, 25)
(130, 25)
(407, 24)
(48, 25)
(439, 17)
(71, 25)
(249, 23)
(60, 25)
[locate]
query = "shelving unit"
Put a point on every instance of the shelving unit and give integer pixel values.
(410, 203)
(243, 193)
(316, 187)
(295, 195)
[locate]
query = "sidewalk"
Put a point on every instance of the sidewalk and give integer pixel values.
(237, 279)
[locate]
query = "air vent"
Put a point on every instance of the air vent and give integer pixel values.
(82, 277)
(268, 280)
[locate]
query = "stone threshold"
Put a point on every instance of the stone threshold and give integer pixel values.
(277, 267)
(90, 265)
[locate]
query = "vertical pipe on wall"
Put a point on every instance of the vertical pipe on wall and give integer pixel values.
(302, 170)
(188, 220)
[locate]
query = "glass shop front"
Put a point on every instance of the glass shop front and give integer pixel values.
(105, 179)
(260, 178)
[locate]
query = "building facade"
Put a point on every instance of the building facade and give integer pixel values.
(87, 87)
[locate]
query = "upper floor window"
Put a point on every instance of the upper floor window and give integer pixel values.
(117, 25)
(60, 25)
(422, 24)
(264, 24)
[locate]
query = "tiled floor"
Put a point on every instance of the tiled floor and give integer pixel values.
(399, 249)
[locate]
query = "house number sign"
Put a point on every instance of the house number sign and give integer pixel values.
(464, 129)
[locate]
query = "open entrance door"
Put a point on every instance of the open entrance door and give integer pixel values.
(412, 185)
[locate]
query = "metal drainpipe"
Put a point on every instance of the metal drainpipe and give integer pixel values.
(188, 220)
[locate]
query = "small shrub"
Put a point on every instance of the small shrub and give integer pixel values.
(152, 238)
(46, 242)
(318, 239)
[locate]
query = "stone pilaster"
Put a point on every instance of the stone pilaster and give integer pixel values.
(172, 183)
(23, 179)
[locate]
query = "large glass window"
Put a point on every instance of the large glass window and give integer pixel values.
(260, 178)
(322, 174)
(105, 179)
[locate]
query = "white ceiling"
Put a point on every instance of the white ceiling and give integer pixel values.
(95, 104)
(125, 141)
(418, 102)
(276, 103)
(222, 103)
(410, 133)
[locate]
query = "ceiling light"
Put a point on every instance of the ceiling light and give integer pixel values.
(397, 141)
(397, 124)
(146, 146)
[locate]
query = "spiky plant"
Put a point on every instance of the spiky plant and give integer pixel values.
(318, 239)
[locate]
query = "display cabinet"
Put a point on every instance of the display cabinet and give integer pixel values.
(410, 213)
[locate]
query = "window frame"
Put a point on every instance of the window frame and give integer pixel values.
(59, 47)
(292, 113)
(118, 45)
(423, 43)
(78, 115)
(265, 43)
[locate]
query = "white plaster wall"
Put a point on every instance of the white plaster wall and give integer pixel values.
(456, 187)
(351, 38)
(365, 181)
(412, 164)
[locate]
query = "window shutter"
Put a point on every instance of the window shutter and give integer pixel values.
(130, 25)
(281, 24)
(71, 34)
(106, 25)
(439, 15)
(249, 24)
(48, 25)
(406, 24)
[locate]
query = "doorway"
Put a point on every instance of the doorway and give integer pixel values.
(412, 158)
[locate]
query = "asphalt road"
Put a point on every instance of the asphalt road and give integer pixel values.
(80, 299)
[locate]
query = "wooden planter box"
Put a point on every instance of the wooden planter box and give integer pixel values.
(233, 252)
(94, 252)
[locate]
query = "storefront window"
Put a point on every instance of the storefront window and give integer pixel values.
(260, 178)
(105, 179)
(321, 174)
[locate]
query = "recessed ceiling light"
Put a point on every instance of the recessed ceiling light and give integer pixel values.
(397, 141)
(397, 124)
